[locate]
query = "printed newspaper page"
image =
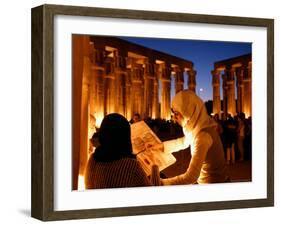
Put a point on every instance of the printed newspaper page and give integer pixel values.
(148, 148)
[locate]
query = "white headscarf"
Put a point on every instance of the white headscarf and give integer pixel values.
(193, 111)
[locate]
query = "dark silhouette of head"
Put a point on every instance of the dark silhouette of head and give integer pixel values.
(217, 117)
(114, 138)
(229, 117)
(136, 118)
(242, 116)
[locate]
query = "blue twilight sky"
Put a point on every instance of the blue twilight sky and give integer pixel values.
(203, 54)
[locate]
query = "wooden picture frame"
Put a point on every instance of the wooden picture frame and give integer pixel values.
(42, 203)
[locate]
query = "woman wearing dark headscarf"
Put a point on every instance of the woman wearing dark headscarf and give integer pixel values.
(113, 165)
(207, 164)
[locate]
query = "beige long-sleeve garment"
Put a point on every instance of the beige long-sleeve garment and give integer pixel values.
(207, 164)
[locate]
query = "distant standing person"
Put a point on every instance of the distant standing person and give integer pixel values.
(241, 136)
(219, 126)
(136, 118)
(230, 138)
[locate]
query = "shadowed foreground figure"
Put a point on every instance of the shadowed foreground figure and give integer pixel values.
(113, 164)
(207, 164)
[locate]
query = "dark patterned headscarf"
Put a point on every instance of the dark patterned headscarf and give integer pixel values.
(114, 139)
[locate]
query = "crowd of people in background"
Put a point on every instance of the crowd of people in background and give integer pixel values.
(236, 136)
(235, 133)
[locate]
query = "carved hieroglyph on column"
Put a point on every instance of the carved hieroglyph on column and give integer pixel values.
(192, 80)
(247, 89)
(216, 92)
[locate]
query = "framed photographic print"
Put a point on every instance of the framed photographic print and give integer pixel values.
(141, 112)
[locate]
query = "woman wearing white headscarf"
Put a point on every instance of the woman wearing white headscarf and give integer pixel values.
(207, 164)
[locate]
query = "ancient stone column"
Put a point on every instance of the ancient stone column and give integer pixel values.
(155, 93)
(240, 89)
(84, 119)
(192, 80)
(216, 92)
(120, 82)
(81, 74)
(250, 87)
(165, 73)
(224, 93)
(231, 103)
(148, 88)
(179, 79)
(247, 81)
(109, 87)
(155, 103)
(97, 84)
(81, 70)
(129, 91)
(137, 88)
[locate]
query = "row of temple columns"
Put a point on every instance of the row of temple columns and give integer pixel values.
(129, 85)
(243, 74)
